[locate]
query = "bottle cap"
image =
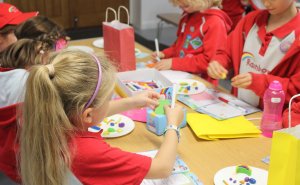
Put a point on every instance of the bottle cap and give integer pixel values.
(275, 85)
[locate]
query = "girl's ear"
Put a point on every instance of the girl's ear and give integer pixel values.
(87, 115)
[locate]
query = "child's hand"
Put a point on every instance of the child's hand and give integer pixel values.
(145, 99)
(174, 116)
(160, 55)
(216, 70)
(164, 64)
(242, 80)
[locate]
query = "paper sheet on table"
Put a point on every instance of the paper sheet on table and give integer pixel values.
(175, 179)
(208, 128)
(180, 174)
(137, 114)
(209, 102)
(179, 165)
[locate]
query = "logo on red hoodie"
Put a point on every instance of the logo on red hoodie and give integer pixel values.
(12, 9)
(250, 62)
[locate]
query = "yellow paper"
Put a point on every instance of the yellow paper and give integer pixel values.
(285, 160)
(208, 128)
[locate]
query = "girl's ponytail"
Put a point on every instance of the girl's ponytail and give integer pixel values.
(44, 145)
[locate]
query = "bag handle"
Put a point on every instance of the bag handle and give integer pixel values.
(111, 9)
(127, 12)
(290, 105)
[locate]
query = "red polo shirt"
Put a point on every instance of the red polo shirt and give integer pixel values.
(95, 162)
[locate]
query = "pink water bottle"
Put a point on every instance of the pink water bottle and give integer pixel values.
(272, 114)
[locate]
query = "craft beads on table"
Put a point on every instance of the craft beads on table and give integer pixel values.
(245, 181)
(114, 126)
(185, 87)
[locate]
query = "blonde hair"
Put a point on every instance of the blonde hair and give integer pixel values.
(51, 113)
(195, 2)
(23, 53)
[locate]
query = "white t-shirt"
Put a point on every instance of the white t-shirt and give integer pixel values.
(252, 61)
(12, 86)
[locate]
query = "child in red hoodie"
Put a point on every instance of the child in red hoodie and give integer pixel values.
(263, 47)
(202, 31)
(235, 10)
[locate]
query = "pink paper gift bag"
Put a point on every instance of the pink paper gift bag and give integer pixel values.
(119, 41)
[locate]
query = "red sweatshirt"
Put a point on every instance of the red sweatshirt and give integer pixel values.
(199, 37)
(235, 10)
(288, 69)
(12, 85)
(8, 141)
(295, 116)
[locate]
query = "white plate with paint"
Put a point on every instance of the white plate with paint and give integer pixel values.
(189, 86)
(114, 126)
(82, 48)
(99, 43)
(229, 176)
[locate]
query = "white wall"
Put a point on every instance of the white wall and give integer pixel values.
(143, 12)
(135, 12)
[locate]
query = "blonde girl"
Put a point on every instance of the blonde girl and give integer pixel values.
(202, 31)
(62, 100)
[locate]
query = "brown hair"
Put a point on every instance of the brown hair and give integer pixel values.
(53, 98)
(7, 29)
(23, 53)
(40, 28)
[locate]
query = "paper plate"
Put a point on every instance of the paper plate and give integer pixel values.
(82, 48)
(189, 86)
(114, 126)
(99, 43)
(229, 176)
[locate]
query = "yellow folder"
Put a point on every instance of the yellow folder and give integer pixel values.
(208, 128)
